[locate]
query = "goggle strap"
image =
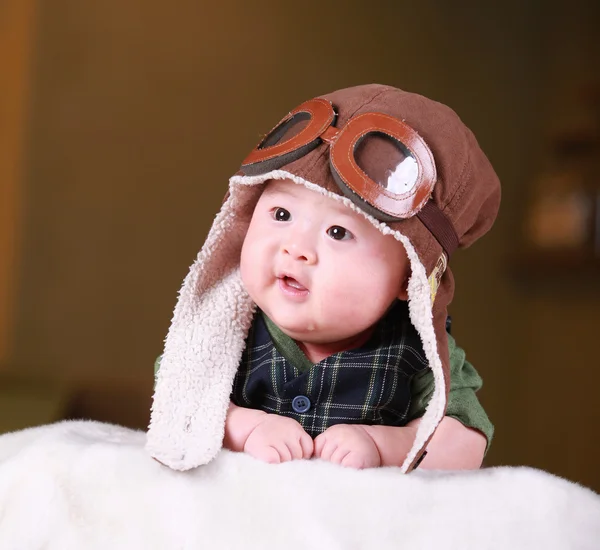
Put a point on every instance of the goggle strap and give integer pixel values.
(439, 226)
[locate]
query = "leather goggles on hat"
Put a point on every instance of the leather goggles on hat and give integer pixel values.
(377, 161)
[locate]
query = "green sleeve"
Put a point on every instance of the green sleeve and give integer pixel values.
(157, 365)
(463, 404)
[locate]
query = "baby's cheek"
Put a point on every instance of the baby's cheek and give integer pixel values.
(373, 293)
(349, 295)
(244, 272)
(250, 272)
(385, 272)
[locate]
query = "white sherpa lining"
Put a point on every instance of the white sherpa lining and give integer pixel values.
(212, 319)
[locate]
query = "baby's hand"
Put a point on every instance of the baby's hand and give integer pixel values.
(278, 439)
(349, 445)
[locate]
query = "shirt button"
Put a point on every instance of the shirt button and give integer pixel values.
(300, 404)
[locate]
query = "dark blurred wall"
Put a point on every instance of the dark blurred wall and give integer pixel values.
(142, 110)
(17, 34)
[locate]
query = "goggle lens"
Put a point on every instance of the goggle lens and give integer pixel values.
(387, 162)
(287, 130)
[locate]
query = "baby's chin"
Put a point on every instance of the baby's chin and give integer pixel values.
(295, 329)
(311, 333)
(298, 329)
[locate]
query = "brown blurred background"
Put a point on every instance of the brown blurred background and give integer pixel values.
(121, 121)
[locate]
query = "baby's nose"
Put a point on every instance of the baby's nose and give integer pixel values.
(300, 251)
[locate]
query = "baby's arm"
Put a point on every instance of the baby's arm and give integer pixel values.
(452, 447)
(239, 425)
(268, 437)
(361, 446)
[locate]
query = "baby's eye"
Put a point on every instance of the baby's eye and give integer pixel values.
(339, 233)
(281, 214)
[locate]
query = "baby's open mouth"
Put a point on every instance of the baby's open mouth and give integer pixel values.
(292, 286)
(290, 281)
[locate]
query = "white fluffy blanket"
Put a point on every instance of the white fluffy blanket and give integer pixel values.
(87, 486)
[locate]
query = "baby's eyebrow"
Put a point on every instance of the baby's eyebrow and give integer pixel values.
(336, 207)
(287, 189)
(343, 210)
(347, 216)
(274, 191)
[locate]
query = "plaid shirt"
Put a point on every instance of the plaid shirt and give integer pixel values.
(367, 385)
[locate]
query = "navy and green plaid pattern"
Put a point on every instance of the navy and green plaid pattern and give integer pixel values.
(368, 385)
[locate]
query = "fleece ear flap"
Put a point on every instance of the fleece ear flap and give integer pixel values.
(204, 344)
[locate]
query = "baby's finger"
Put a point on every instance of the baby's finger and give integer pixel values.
(267, 454)
(294, 447)
(328, 449)
(339, 455)
(318, 445)
(285, 454)
(353, 460)
(307, 445)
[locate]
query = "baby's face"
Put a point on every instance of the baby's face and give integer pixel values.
(319, 270)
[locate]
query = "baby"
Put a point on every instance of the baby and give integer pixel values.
(314, 322)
